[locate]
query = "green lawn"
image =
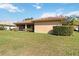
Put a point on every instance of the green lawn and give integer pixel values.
(26, 43)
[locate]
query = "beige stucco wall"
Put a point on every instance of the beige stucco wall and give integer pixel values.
(45, 27)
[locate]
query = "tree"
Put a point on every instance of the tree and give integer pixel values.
(72, 20)
(28, 18)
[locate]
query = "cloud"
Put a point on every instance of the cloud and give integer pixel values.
(58, 12)
(37, 6)
(9, 7)
(76, 13)
(48, 15)
(54, 14)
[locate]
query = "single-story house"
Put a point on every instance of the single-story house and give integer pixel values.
(7, 25)
(41, 25)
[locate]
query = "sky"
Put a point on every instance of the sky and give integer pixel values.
(20, 11)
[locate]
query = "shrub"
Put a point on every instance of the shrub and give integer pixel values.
(29, 30)
(63, 30)
(2, 28)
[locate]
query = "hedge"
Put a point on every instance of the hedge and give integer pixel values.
(63, 30)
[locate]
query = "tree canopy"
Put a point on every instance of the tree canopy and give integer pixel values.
(71, 21)
(28, 18)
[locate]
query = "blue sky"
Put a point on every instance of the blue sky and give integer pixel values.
(20, 11)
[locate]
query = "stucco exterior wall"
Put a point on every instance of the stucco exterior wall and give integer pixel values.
(45, 27)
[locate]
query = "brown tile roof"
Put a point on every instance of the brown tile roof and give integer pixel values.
(48, 19)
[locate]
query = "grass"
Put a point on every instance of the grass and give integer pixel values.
(26, 43)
